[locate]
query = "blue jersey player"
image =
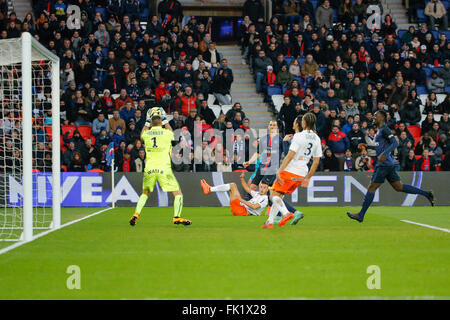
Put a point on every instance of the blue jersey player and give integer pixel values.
(386, 168)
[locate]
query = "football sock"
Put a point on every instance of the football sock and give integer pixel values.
(141, 203)
(273, 212)
(221, 188)
(177, 206)
(280, 204)
(368, 198)
(410, 189)
(289, 206)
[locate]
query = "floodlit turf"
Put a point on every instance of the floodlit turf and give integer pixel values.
(221, 256)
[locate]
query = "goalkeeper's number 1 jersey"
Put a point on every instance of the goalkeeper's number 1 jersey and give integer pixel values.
(158, 148)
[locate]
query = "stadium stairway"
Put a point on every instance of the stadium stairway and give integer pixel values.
(397, 11)
(243, 89)
(21, 8)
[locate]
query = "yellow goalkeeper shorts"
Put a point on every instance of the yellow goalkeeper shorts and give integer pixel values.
(165, 177)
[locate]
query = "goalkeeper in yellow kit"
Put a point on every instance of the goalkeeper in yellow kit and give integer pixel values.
(158, 147)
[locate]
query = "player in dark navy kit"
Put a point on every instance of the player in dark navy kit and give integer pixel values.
(386, 168)
(268, 160)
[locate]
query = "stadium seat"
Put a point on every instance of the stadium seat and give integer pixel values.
(421, 15)
(288, 60)
(278, 100)
(211, 99)
(401, 32)
(216, 109)
(440, 97)
(427, 71)
(447, 89)
(446, 32)
(144, 14)
(63, 168)
(102, 11)
(96, 170)
(229, 97)
(143, 3)
(301, 61)
(273, 90)
(422, 90)
(435, 34)
(226, 107)
(416, 141)
(85, 131)
(48, 130)
(414, 130)
(300, 80)
(322, 69)
(423, 98)
(68, 128)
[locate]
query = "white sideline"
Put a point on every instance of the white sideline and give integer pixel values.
(21, 243)
(427, 226)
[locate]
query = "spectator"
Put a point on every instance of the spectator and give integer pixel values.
(115, 122)
(435, 84)
(425, 163)
(261, 64)
(99, 124)
(330, 162)
(118, 137)
(349, 164)
(363, 162)
(127, 111)
(356, 138)
(436, 13)
(206, 112)
(221, 87)
(324, 15)
(444, 73)
(253, 9)
(76, 164)
(338, 143)
(132, 133)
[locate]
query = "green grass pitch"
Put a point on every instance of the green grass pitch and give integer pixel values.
(220, 256)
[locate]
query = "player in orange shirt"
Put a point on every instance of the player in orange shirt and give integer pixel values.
(294, 172)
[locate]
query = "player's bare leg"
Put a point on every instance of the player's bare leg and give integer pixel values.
(368, 198)
(400, 187)
(177, 208)
(141, 203)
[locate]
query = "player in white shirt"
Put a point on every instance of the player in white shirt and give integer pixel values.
(239, 206)
(294, 169)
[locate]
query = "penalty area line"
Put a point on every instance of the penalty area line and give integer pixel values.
(426, 226)
(21, 243)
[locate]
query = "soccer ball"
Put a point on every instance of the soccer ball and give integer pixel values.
(156, 112)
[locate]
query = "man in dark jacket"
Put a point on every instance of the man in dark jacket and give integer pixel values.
(254, 9)
(356, 136)
(260, 67)
(206, 112)
(410, 114)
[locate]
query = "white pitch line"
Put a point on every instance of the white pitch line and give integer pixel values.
(18, 244)
(427, 226)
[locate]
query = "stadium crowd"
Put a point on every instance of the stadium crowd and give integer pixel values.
(122, 60)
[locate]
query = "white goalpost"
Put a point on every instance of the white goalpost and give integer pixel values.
(30, 192)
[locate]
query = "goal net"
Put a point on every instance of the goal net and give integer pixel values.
(29, 139)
